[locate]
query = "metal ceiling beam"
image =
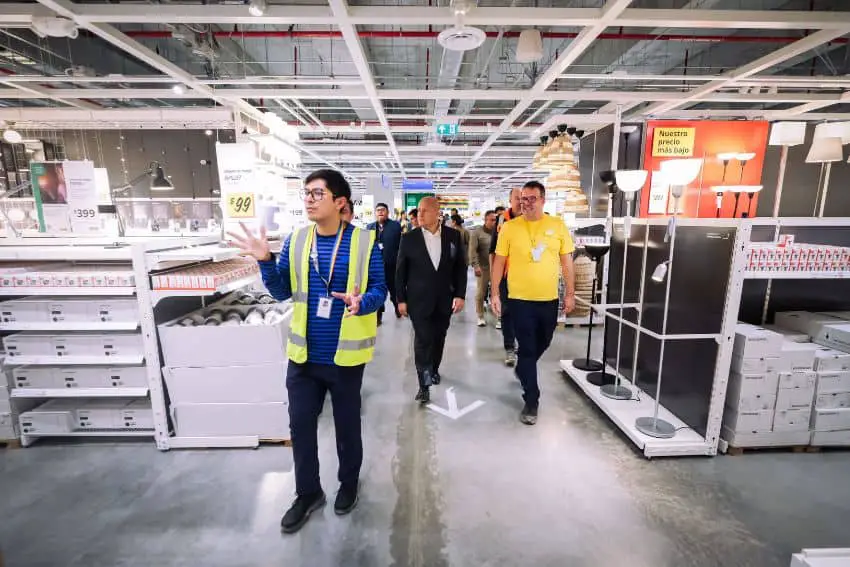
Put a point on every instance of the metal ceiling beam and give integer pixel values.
(762, 63)
(609, 12)
(22, 14)
(342, 16)
(31, 91)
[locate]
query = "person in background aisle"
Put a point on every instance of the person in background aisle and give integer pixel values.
(414, 218)
(479, 258)
(404, 222)
(539, 248)
(500, 210)
(431, 282)
(334, 274)
(346, 214)
(505, 323)
(457, 224)
(389, 236)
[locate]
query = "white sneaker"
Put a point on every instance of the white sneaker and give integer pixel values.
(482, 322)
(499, 324)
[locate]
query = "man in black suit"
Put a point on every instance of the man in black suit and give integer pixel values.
(431, 286)
(389, 236)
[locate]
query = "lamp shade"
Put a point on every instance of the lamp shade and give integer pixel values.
(727, 156)
(681, 171)
(787, 134)
(745, 156)
(825, 150)
(529, 46)
(630, 180)
(833, 130)
(159, 182)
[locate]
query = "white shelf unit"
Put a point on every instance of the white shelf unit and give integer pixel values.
(75, 291)
(158, 295)
(803, 275)
(30, 393)
(91, 433)
(63, 327)
(74, 360)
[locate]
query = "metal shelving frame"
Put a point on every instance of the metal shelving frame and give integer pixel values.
(686, 441)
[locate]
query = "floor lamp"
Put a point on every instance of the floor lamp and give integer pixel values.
(750, 190)
(784, 134)
(826, 149)
(596, 251)
(629, 182)
(719, 191)
(678, 173)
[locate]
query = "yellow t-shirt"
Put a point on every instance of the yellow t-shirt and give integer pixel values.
(529, 279)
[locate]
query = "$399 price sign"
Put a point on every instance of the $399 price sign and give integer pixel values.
(240, 205)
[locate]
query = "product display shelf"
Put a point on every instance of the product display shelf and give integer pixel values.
(74, 291)
(74, 360)
(798, 275)
(28, 393)
(91, 433)
(214, 252)
(63, 327)
(158, 295)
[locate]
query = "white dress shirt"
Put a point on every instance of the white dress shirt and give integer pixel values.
(434, 244)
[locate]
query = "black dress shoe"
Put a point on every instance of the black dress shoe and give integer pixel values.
(346, 499)
(423, 396)
(435, 378)
(427, 378)
(300, 511)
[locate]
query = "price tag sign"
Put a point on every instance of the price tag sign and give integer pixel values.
(240, 205)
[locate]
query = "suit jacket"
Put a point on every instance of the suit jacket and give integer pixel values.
(389, 239)
(418, 284)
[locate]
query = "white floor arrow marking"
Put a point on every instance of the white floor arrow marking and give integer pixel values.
(453, 412)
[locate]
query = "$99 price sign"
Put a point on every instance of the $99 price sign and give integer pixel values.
(240, 205)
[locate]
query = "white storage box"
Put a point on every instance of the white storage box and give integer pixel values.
(238, 345)
(137, 415)
(55, 416)
(100, 414)
(799, 356)
(804, 321)
(121, 344)
(25, 310)
(767, 439)
(789, 335)
(115, 310)
(796, 419)
(36, 377)
(126, 377)
(828, 359)
(798, 380)
(749, 421)
(8, 426)
(75, 344)
(831, 438)
(68, 310)
(831, 419)
(755, 342)
(227, 384)
(28, 344)
(267, 420)
(102, 377)
(833, 400)
(756, 365)
(835, 336)
(794, 398)
(833, 382)
(740, 396)
(749, 385)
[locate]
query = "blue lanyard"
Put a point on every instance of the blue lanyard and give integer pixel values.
(314, 256)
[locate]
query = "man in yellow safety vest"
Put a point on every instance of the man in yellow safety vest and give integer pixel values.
(334, 274)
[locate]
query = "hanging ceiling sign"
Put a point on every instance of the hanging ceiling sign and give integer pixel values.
(673, 142)
(447, 129)
(417, 184)
(440, 164)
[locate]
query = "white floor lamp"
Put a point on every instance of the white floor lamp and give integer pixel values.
(784, 134)
(630, 181)
(827, 147)
(678, 173)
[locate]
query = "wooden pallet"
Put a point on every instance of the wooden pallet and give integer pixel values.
(284, 442)
(11, 443)
(735, 451)
(827, 448)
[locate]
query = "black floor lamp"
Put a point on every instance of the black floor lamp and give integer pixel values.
(596, 251)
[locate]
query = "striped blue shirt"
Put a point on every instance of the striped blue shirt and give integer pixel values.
(323, 334)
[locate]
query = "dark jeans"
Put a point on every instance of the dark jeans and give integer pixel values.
(307, 385)
(389, 277)
(508, 331)
(429, 340)
(534, 323)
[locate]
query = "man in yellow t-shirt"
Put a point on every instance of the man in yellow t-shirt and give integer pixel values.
(539, 249)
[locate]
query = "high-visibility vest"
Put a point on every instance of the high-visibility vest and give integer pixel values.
(356, 334)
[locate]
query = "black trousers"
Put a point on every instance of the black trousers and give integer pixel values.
(389, 277)
(508, 331)
(534, 323)
(307, 385)
(429, 339)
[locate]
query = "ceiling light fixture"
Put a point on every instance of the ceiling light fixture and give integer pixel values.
(529, 46)
(11, 135)
(178, 89)
(158, 180)
(257, 8)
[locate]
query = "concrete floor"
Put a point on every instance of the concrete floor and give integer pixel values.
(484, 490)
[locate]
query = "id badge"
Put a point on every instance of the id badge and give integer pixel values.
(537, 252)
(323, 311)
(380, 245)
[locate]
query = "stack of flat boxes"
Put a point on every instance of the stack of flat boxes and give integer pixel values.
(8, 424)
(831, 331)
(73, 415)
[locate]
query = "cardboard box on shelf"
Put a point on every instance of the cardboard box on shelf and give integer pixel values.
(54, 416)
(833, 400)
(795, 419)
(242, 345)
(36, 377)
(755, 342)
(828, 359)
(27, 344)
(765, 439)
(789, 335)
(799, 356)
(804, 321)
(23, 311)
(838, 438)
(100, 413)
(750, 385)
(748, 421)
(831, 419)
(121, 344)
(137, 415)
(836, 335)
(806, 380)
(760, 365)
(794, 398)
(227, 384)
(833, 382)
(266, 420)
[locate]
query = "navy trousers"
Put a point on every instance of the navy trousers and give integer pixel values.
(307, 385)
(534, 324)
(508, 331)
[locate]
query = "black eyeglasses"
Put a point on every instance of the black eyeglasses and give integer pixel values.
(316, 194)
(529, 200)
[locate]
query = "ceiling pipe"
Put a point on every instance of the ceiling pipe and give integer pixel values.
(424, 34)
